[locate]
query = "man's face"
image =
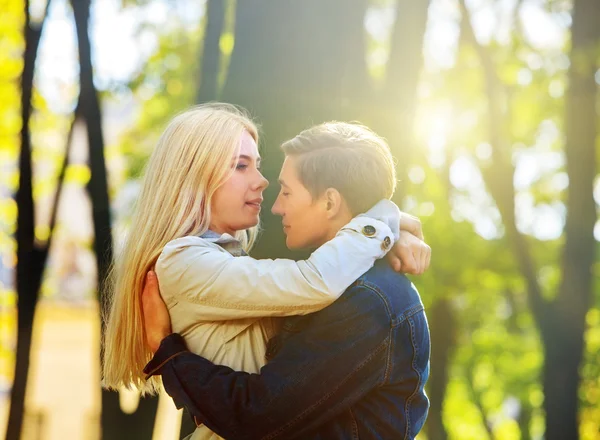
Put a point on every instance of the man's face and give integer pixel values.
(305, 221)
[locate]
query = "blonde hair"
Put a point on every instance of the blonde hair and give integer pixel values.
(348, 157)
(191, 160)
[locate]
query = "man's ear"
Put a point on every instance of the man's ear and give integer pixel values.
(333, 202)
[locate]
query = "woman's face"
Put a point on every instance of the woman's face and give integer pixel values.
(236, 204)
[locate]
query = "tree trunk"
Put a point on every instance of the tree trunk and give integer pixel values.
(564, 337)
(90, 112)
(524, 420)
(30, 259)
(396, 113)
(443, 333)
(563, 350)
(211, 52)
(292, 67)
(115, 424)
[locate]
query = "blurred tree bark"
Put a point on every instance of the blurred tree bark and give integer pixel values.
(211, 52)
(564, 327)
(442, 325)
(397, 104)
(31, 256)
(443, 318)
(561, 321)
(295, 64)
(115, 423)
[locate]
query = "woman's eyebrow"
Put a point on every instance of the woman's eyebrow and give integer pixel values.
(245, 156)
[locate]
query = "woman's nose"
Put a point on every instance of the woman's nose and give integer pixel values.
(261, 182)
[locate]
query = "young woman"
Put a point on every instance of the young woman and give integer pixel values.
(196, 217)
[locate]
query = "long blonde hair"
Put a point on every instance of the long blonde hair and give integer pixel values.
(191, 160)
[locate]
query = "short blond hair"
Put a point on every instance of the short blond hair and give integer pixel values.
(191, 160)
(346, 156)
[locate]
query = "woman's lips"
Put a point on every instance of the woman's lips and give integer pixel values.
(254, 205)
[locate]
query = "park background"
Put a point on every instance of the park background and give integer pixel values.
(490, 107)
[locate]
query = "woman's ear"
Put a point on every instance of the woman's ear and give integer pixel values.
(333, 200)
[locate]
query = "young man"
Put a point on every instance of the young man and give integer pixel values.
(356, 369)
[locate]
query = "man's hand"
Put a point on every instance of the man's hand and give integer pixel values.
(157, 322)
(410, 253)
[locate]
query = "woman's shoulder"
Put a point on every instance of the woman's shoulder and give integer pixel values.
(187, 246)
(188, 240)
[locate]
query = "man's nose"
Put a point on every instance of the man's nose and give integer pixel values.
(276, 209)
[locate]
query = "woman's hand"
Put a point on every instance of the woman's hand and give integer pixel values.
(410, 254)
(157, 322)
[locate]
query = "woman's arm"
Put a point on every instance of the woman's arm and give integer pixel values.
(230, 287)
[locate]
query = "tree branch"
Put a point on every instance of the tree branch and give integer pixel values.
(476, 397)
(61, 178)
(519, 26)
(498, 177)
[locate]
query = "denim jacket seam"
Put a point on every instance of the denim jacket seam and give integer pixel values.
(373, 288)
(308, 410)
(403, 317)
(416, 370)
(388, 366)
(409, 313)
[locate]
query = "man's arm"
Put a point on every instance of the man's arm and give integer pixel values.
(338, 358)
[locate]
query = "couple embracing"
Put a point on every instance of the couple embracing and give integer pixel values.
(332, 347)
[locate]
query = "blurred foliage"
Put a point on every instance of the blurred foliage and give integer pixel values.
(165, 87)
(11, 64)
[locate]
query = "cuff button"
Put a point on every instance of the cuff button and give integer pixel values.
(386, 243)
(369, 230)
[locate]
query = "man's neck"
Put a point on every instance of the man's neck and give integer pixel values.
(338, 223)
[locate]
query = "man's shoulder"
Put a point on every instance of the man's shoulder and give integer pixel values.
(394, 290)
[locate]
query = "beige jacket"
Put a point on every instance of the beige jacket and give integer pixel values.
(224, 305)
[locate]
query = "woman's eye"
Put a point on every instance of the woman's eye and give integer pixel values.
(241, 166)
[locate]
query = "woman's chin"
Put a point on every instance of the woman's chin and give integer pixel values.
(249, 224)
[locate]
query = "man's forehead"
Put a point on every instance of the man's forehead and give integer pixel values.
(288, 171)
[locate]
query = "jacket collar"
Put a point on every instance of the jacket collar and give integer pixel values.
(226, 241)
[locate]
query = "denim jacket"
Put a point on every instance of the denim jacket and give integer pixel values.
(354, 370)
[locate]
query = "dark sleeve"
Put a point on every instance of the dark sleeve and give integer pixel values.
(319, 371)
(170, 347)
